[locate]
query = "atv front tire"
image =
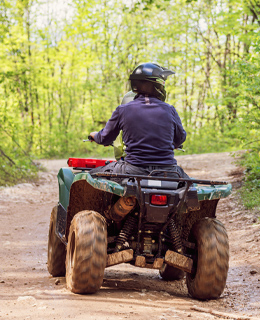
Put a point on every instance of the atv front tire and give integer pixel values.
(86, 252)
(56, 249)
(212, 259)
(169, 273)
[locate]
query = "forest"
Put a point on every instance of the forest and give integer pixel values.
(65, 67)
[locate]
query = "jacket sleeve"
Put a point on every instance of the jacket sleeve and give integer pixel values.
(107, 135)
(180, 133)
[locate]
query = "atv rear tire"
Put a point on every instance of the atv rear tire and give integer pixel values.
(56, 249)
(86, 252)
(169, 273)
(211, 265)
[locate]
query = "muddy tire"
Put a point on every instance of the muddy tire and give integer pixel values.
(211, 266)
(169, 273)
(56, 249)
(86, 252)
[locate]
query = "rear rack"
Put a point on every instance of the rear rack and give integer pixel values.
(140, 177)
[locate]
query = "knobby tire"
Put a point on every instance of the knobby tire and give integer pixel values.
(209, 279)
(86, 252)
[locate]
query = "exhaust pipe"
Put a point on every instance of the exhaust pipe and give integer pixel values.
(121, 208)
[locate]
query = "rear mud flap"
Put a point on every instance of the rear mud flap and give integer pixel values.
(61, 223)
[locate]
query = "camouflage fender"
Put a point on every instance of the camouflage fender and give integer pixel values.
(213, 192)
(65, 179)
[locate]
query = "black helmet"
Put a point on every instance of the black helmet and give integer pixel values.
(149, 78)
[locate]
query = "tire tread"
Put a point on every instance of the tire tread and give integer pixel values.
(213, 259)
(90, 252)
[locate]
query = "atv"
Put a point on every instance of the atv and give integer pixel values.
(157, 222)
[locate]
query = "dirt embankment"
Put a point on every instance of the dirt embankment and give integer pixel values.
(27, 291)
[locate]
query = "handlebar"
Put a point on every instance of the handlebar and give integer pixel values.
(90, 139)
(180, 148)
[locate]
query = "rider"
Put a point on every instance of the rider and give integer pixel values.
(152, 129)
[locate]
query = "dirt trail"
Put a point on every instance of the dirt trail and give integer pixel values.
(27, 291)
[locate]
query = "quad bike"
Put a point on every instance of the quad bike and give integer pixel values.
(153, 222)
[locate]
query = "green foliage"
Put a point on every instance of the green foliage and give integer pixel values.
(248, 78)
(211, 139)
(251, 161)
(23, 170)
(250, 190)
(63, 75)
(15, 164)
(250, 193)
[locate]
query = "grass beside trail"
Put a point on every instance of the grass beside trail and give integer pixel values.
(250, 194)
(250, 190)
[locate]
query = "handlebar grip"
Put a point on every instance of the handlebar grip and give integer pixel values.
(90, 138)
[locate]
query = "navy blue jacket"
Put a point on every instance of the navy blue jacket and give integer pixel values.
(151, 130)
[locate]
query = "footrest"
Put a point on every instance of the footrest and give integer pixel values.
(119, 257)
(179, 261)
(141, 262)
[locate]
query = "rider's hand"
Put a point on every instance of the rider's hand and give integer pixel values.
(92, 134)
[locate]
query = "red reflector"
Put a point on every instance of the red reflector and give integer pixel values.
(159, 199)
(87, 163)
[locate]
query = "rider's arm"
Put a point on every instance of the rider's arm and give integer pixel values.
(180, 133)
(107, 135)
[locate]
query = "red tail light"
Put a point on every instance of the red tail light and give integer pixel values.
(87, 163)
(159, 199)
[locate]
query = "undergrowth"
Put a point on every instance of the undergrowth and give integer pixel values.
(16, 170)
(250, 190)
